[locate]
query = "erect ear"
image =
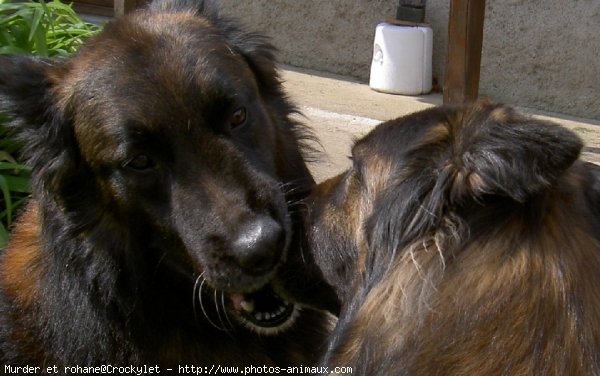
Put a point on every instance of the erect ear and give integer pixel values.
(256, 49)
(28, 99)
(23, 89)
(503, 152)
(260, 55)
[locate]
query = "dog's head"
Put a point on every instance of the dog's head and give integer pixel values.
(167, 133)
(424, 174)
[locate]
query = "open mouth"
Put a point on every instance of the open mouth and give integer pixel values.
(263, 310)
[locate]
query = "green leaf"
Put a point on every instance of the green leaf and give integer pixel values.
(7, 199)
(12, 50)
(16, 204)
(40, 41)
(6, 157)
(17, 183)
(37, 33)
(3, 234)
(38, 15)
(14, 167)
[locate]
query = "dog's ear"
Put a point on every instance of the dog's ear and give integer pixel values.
(260, 55)
(256, 49)
(503, 152)
(28, 99)
(23, 89)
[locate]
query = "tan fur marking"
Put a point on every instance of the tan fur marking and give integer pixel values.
(436, 134)
(501, 115)
(378, 172)
(475, 183)
(20, 267)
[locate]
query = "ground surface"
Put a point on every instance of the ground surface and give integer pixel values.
(340, 110)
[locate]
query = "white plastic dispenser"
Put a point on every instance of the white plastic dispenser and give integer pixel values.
(402, 57)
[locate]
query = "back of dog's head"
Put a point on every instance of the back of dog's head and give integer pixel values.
(410, 173)
(450, 221)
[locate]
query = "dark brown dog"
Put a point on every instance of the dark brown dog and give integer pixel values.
(164, 159)
(463, 241)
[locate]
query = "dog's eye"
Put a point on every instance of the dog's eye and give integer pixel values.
(238, 117)
(140, 163)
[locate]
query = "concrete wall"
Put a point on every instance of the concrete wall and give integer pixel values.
(537, 53)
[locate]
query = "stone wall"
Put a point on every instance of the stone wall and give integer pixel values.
(536, 53)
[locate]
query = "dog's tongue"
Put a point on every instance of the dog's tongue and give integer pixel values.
(236, 301)
(242, 303)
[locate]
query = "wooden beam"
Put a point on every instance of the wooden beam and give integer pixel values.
(126, 6)
(465, 39)
(102, 8)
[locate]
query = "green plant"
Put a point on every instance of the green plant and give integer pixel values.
(14, 182)
(40, 28)
(48, 29)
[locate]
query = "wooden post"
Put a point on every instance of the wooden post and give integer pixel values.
(465, 39)
(125, 6)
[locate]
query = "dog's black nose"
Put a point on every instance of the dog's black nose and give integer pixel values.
(258, 244)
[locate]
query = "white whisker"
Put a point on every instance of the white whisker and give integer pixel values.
(302, 254)
(225, 311)
(196, 285)
(204, 310)
(219, 312)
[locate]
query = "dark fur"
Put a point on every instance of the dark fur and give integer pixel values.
(101, 266)
(463, 241)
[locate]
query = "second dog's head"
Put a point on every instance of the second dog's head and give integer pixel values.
(421, 176)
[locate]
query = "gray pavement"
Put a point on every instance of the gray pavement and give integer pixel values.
(340, 110)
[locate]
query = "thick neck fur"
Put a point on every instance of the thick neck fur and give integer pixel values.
(516, 294)
(107, 305)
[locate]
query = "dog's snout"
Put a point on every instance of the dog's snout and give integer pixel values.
(258, 244)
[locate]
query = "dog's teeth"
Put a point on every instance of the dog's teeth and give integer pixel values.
(259, 316)
(267, 316)
(247, 306)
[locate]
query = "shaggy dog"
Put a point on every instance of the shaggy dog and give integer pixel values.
(164, 161)
(463, 241)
